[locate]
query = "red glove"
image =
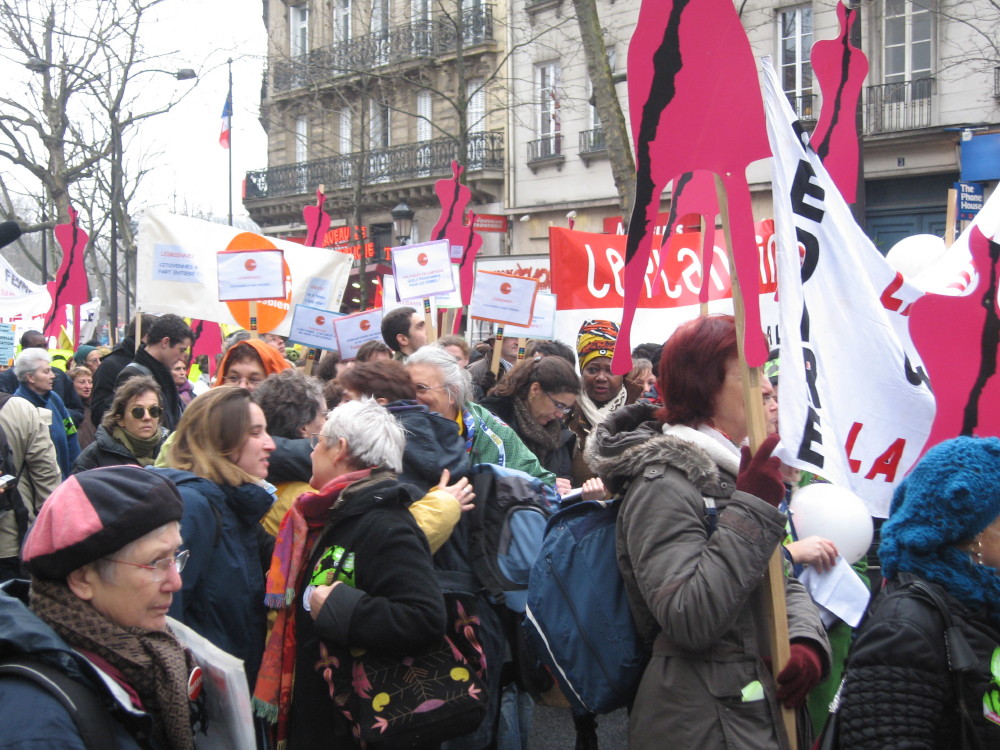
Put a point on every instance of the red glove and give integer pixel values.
(760, 476)
(802, 673)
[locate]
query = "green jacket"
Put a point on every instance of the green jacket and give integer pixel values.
(493, 442)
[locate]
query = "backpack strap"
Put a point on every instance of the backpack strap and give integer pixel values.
(84, 705)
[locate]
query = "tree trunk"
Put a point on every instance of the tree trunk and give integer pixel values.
(606, 100)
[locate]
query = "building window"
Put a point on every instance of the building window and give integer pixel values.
(475, 115)
(298, 25)
(380, 31)
(341, 21)
(420, 15)
(425, 112)
(378, 141)
(548, 125)
(301, 152)
(795, 39)
(907, 45)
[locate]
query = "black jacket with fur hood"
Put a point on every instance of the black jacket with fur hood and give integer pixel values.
(707, 684)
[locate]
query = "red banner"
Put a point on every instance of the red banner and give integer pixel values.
(587, 269)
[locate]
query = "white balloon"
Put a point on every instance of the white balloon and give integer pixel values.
(833, 513)
(912, 255)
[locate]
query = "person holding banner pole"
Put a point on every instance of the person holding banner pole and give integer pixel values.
(698, 525)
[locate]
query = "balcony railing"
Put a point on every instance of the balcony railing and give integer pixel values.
(545, 148)
(904, 105)
(409, 161)
(592, 141)
(806, 106)
(398, 44)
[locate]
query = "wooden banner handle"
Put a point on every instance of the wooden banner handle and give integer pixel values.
(254, 334)
(429, 322)
(497, 347)
(311, 356)
(951, 218)
(138, 328)
(521, 344)
(774, 583)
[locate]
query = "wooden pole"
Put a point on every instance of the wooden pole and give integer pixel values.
(497, 347)
(521, 344)
(429, 322)
(138, 328)
(254, 334)
(951, 218)
(449, 320)
(707, 258)
(311, 356)
(774, 582)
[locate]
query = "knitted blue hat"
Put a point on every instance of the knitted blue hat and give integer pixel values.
(949, 498)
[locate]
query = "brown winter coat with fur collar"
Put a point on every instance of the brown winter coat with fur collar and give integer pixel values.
(699, 593)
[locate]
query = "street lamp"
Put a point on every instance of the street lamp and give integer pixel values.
(402, 222)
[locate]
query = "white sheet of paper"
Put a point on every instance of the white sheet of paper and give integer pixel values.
(503, 299)
(422, 270)
(543, 320)
(355, 330)
(313, 327)
(390, 300)
(251, 275)
(452, 299)
(840, 590)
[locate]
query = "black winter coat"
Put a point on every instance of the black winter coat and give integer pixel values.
(105, 377)
(898, 691)
(388, 599)
(432, 444)
(106, 451)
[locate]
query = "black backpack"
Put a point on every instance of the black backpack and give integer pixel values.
(84, 706)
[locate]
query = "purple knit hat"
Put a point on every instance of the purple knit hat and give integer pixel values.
(95, 513)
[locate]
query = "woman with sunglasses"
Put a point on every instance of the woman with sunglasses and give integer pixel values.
(130, 431)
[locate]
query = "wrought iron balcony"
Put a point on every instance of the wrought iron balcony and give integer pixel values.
(904, 105)
(805, 106)
(592, 141)
(398, 44)
(426, 159)
(548, 147)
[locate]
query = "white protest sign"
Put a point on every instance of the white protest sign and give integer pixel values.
(543, 320)
(6, 343)
(451, 299)
(503, 299)
(422, 270)
(357, 329)
(176, 271)
(313, 327)
(250, 275)
(390, 300)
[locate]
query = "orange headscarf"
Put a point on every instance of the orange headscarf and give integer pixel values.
(269, 356)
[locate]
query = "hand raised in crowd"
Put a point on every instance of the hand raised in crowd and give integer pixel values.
(593, 489)
(461, 490)
(814, 550)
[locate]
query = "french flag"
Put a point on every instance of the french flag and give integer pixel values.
(227, 120)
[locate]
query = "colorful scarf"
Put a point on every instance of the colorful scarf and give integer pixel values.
(301, 526)
(595, 414)
(154, 663)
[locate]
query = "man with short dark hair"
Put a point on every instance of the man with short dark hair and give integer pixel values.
(62, 385)
(112, 365)
(403, 330)
(169, 337)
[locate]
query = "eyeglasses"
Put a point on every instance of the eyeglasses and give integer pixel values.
(315, 437)
(160, 567)
(138, 412)
(238, 380)
(421, 388)
(559, 405)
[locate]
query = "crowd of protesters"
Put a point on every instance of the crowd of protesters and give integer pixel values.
(298, 515)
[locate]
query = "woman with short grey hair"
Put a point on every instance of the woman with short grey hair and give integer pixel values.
(33, 369)
(445, 388)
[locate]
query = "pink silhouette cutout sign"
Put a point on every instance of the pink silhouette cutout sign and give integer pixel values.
(70, 284)
(456, 225)
(840, 68)
(695, 104)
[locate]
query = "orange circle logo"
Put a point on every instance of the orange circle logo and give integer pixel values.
(320, 320)
(250, 264)
(505, 288)
(422, 259)
(364, 325)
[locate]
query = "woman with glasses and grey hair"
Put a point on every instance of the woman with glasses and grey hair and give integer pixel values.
(446, 389)
(33, 368)
(351, 568)
(130, 431)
